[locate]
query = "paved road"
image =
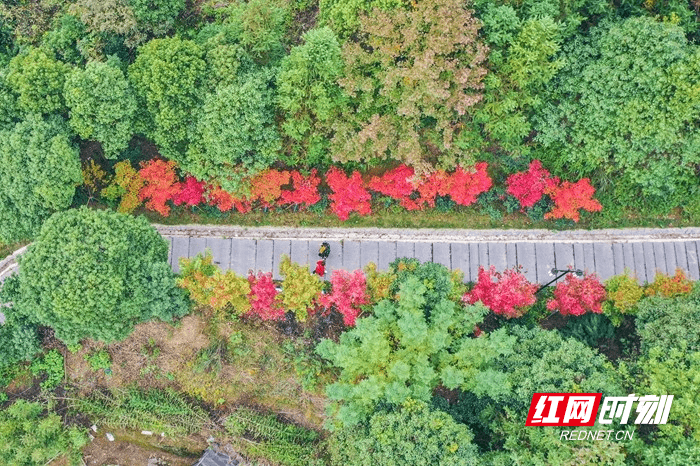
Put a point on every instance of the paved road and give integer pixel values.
(607, 252)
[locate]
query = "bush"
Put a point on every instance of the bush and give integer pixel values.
(300, 289)
(94, 274)
(412, 434)
(669, 322)
(50, 364)
(623, 295)
(31, 438)
(669, 287)
(510, 295)
(576, 296)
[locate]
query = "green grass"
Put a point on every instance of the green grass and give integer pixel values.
(395, 217)
(7, 249)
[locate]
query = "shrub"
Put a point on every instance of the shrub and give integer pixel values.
(50, 364)
(195, 276)
(99, 360)
(266, 186)
(349, 194)
(623, 295)
(528, 187)
(510, 294)
(160, 185)
(264, 302)
(300, 289)
(126, 186)
(191, 192)
(576, 296)
(411, 434)
(229, 290)
(305, 192)
(94, 274)
(669, 287)
(669, 322)
(569, 198)
(31, 438)
(348, 293)
(378, 283)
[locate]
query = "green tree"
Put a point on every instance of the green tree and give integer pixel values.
(542, 361)
(167, 76)
(412, 435)
(102, 106)
(521, 63)
(235, 134)
(309, 95)
(410, 345)
(31, 438)
(625, 111)
(344, 16)
(134, 20)
(39, 170)
(411, 78)
(19, 339)
(38, 79)
(66, 38)
(96, 273)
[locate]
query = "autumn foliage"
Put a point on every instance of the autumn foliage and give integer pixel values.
(509, 294)
(528, 187)
(349, 194)
(577, 296)
(569, 198)
(304, 192)
(670, 286)
(348, 293)
(160, 185)
(157, 183)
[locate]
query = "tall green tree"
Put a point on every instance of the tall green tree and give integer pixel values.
(309, 95)
(410, 345)
(235, 135)
(625, 110)
(411, 77)
(95, 274)
(167, 77)
(102, 106)
(38, 79)
(39, 171)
